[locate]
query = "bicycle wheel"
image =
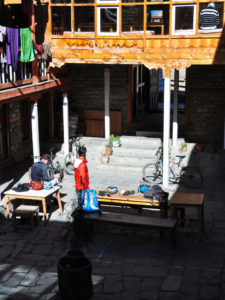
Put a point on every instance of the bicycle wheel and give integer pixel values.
(50, 170)
(68, 163)
(191, 177)
(58, 169)
(152, 173)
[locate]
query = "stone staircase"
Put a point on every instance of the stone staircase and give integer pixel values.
(126, 162)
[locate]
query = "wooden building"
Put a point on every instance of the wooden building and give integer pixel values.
(115, 52)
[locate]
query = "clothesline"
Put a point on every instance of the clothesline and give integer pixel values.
(12, 36)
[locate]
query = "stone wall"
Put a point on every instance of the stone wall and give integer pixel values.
(206, 106)
(18, 148)
(87, 90)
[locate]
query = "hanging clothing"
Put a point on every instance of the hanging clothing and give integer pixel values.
(46, 51)
(26, 45)
(2, 33)
(26, 6)
(12, 46)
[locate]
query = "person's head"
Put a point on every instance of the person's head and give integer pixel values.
(211, 5)
(82, 151)
(46, 158)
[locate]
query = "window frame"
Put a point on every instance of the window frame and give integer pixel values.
(99, 33)
(183, 31)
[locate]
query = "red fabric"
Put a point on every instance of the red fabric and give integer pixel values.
(36, 185)
(81, 174)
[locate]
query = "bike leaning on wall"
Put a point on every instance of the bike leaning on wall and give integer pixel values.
(189, 176)
(70, 157)
(54, 167)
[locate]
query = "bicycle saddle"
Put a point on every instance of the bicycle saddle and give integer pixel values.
(181, 156)
(52, 149)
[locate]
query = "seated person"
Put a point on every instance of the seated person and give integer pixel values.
(209, 17)
(39, 174)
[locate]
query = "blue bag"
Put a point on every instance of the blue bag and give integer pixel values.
(47, 185)
(143, 187)
(89, 201)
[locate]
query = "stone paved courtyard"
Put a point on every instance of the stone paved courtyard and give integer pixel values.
(127, 263)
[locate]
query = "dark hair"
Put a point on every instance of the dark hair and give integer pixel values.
(46, 157)
(82, 151)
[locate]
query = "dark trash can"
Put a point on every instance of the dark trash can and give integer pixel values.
(74, 276)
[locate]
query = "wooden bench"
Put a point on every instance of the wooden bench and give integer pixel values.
(135, 200)
(36, 195)
(180, 201)
(26, 211)
(161, 224)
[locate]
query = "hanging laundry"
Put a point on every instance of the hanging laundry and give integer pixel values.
(26, 45)
(12, 46)
(26, 6)
(46, 51)
(2, 33)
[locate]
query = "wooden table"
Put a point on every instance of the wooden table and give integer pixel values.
(183, 200)
(134, 200)
(40, 195)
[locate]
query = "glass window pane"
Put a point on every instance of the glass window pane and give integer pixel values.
(83, 1)
(158, 19)
(108, 19)
(130, 1)
(60, 1)
(211, 16)
(84, 19)
(61, 20)
(184, 18)
(132, 18)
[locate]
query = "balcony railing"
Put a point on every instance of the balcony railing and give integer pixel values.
(23, 72)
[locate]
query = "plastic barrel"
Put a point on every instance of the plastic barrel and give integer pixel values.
(74, 276)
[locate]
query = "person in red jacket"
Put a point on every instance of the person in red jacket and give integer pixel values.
(81, 172)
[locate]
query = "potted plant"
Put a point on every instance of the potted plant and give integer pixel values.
(105, 158)
(212, 148)
(108, 148)
(184, 146)
(115, 140)
(199, 148)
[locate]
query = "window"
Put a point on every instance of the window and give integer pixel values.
(108, 20)
(108, 1)
(84, 19)
(132, 18)
(158, 19)
(61, 19)
(183, 19)
(210, 18)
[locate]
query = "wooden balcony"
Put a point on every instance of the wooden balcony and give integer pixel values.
(156, 51)
(11, 78)
(174, 41)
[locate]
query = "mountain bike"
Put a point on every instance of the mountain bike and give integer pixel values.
(191, 177)
(70, 157)
(54, 167)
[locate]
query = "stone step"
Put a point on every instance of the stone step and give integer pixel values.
(140, 140)
(118, 166)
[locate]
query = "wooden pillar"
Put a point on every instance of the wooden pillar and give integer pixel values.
(35, 130)
(175, 107)
(35, 62)
(66, 123)
(51, 116)
(107, 104)
(166, 128)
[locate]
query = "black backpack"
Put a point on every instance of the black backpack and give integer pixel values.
(21, 187)
(157, 191)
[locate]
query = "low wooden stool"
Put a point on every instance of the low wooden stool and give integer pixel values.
(180, 201)
(27, 210)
